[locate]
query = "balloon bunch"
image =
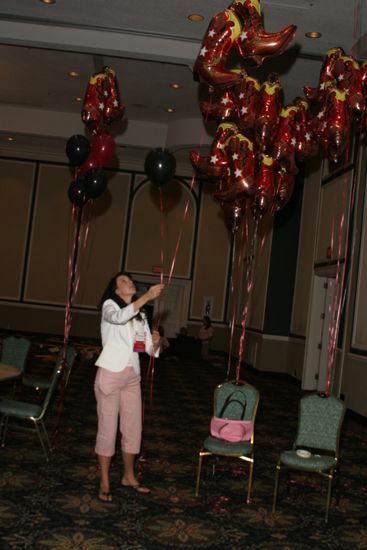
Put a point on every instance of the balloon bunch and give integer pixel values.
(101, 107)
(247, 113)
(258, 140)
(341, 99)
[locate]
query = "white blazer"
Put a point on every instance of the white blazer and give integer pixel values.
(118, 330)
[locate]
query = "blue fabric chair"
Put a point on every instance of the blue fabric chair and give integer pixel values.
(15, 351)
(316, 447)
(42, 382)
(31, 412)
(243, 450)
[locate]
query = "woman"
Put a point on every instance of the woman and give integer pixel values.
(205, 335)
(125, 333)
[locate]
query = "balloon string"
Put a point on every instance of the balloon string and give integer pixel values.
(162, 234)
(249, 286)
(193, 180)
(340, 291)
(77, 221)
(357, 26)
(150, 370)
(186, 209)
(341, 282)
(337, 297)
(82, 242)
(335, 309)
(233, 317)
(232, 300)
(71, 274)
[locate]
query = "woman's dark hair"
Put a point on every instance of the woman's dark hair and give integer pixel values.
(110, 293)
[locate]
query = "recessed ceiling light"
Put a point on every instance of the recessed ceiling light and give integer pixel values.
(175, 85)
(73, 73)
(48, 1)
(313, 34)
(195, 17)
(78, 99)
(10, 139)
(170, 109)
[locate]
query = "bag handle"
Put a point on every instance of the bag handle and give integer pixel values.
(230, 400)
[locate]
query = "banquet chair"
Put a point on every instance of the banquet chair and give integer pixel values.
(243, 450)
(15, 351)
(31, 412)
(316, 447)
(42, 382)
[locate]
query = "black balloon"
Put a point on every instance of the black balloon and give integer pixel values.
(77, 149)
(160, 166)
(95, 182)
(77, 192)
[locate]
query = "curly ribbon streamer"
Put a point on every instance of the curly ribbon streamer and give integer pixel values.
(249, 286)
(244, 235)
(341, 281)
(151, 366)
(341, 287)
(80, 225)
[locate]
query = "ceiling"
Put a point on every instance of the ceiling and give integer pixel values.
(150, 44)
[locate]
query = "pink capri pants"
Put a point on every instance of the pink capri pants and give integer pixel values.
(118, 395)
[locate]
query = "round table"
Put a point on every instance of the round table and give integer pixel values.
(7, 372)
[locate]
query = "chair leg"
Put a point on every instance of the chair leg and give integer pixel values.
(250, 478)
(46, 436)
(276, 484)
(198, 474)
(328, 498)
(3, 429)
(41, 440)
(337, 486)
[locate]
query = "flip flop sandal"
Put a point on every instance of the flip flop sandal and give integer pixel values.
(105, 497)
(137, 488)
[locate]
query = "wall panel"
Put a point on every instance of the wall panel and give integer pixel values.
(334, 203)
(51, 237)
(102, 256)
(212, 257)
(359, 334)
(16, 186)
(145, 243)
(306, 249)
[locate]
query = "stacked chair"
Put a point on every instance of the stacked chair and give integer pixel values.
(27, 412)
(14, 351)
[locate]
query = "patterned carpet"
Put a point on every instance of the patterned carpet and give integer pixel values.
(54, 506)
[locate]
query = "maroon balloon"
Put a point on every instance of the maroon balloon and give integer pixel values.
(89, 164)
(103, 148)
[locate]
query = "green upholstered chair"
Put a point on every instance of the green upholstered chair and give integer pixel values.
(31, 412)
(316, 448)
(243, 450)
(42, 382)
(15, 351)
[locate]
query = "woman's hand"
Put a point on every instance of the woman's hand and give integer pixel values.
(154, 291)
(156, 339)
(150, 294)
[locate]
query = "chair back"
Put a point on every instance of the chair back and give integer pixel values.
(15, 351)
(71, 354)
(70, 358)
(240, 391)
(320, 420)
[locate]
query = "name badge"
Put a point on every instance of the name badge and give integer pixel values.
(139, 346)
